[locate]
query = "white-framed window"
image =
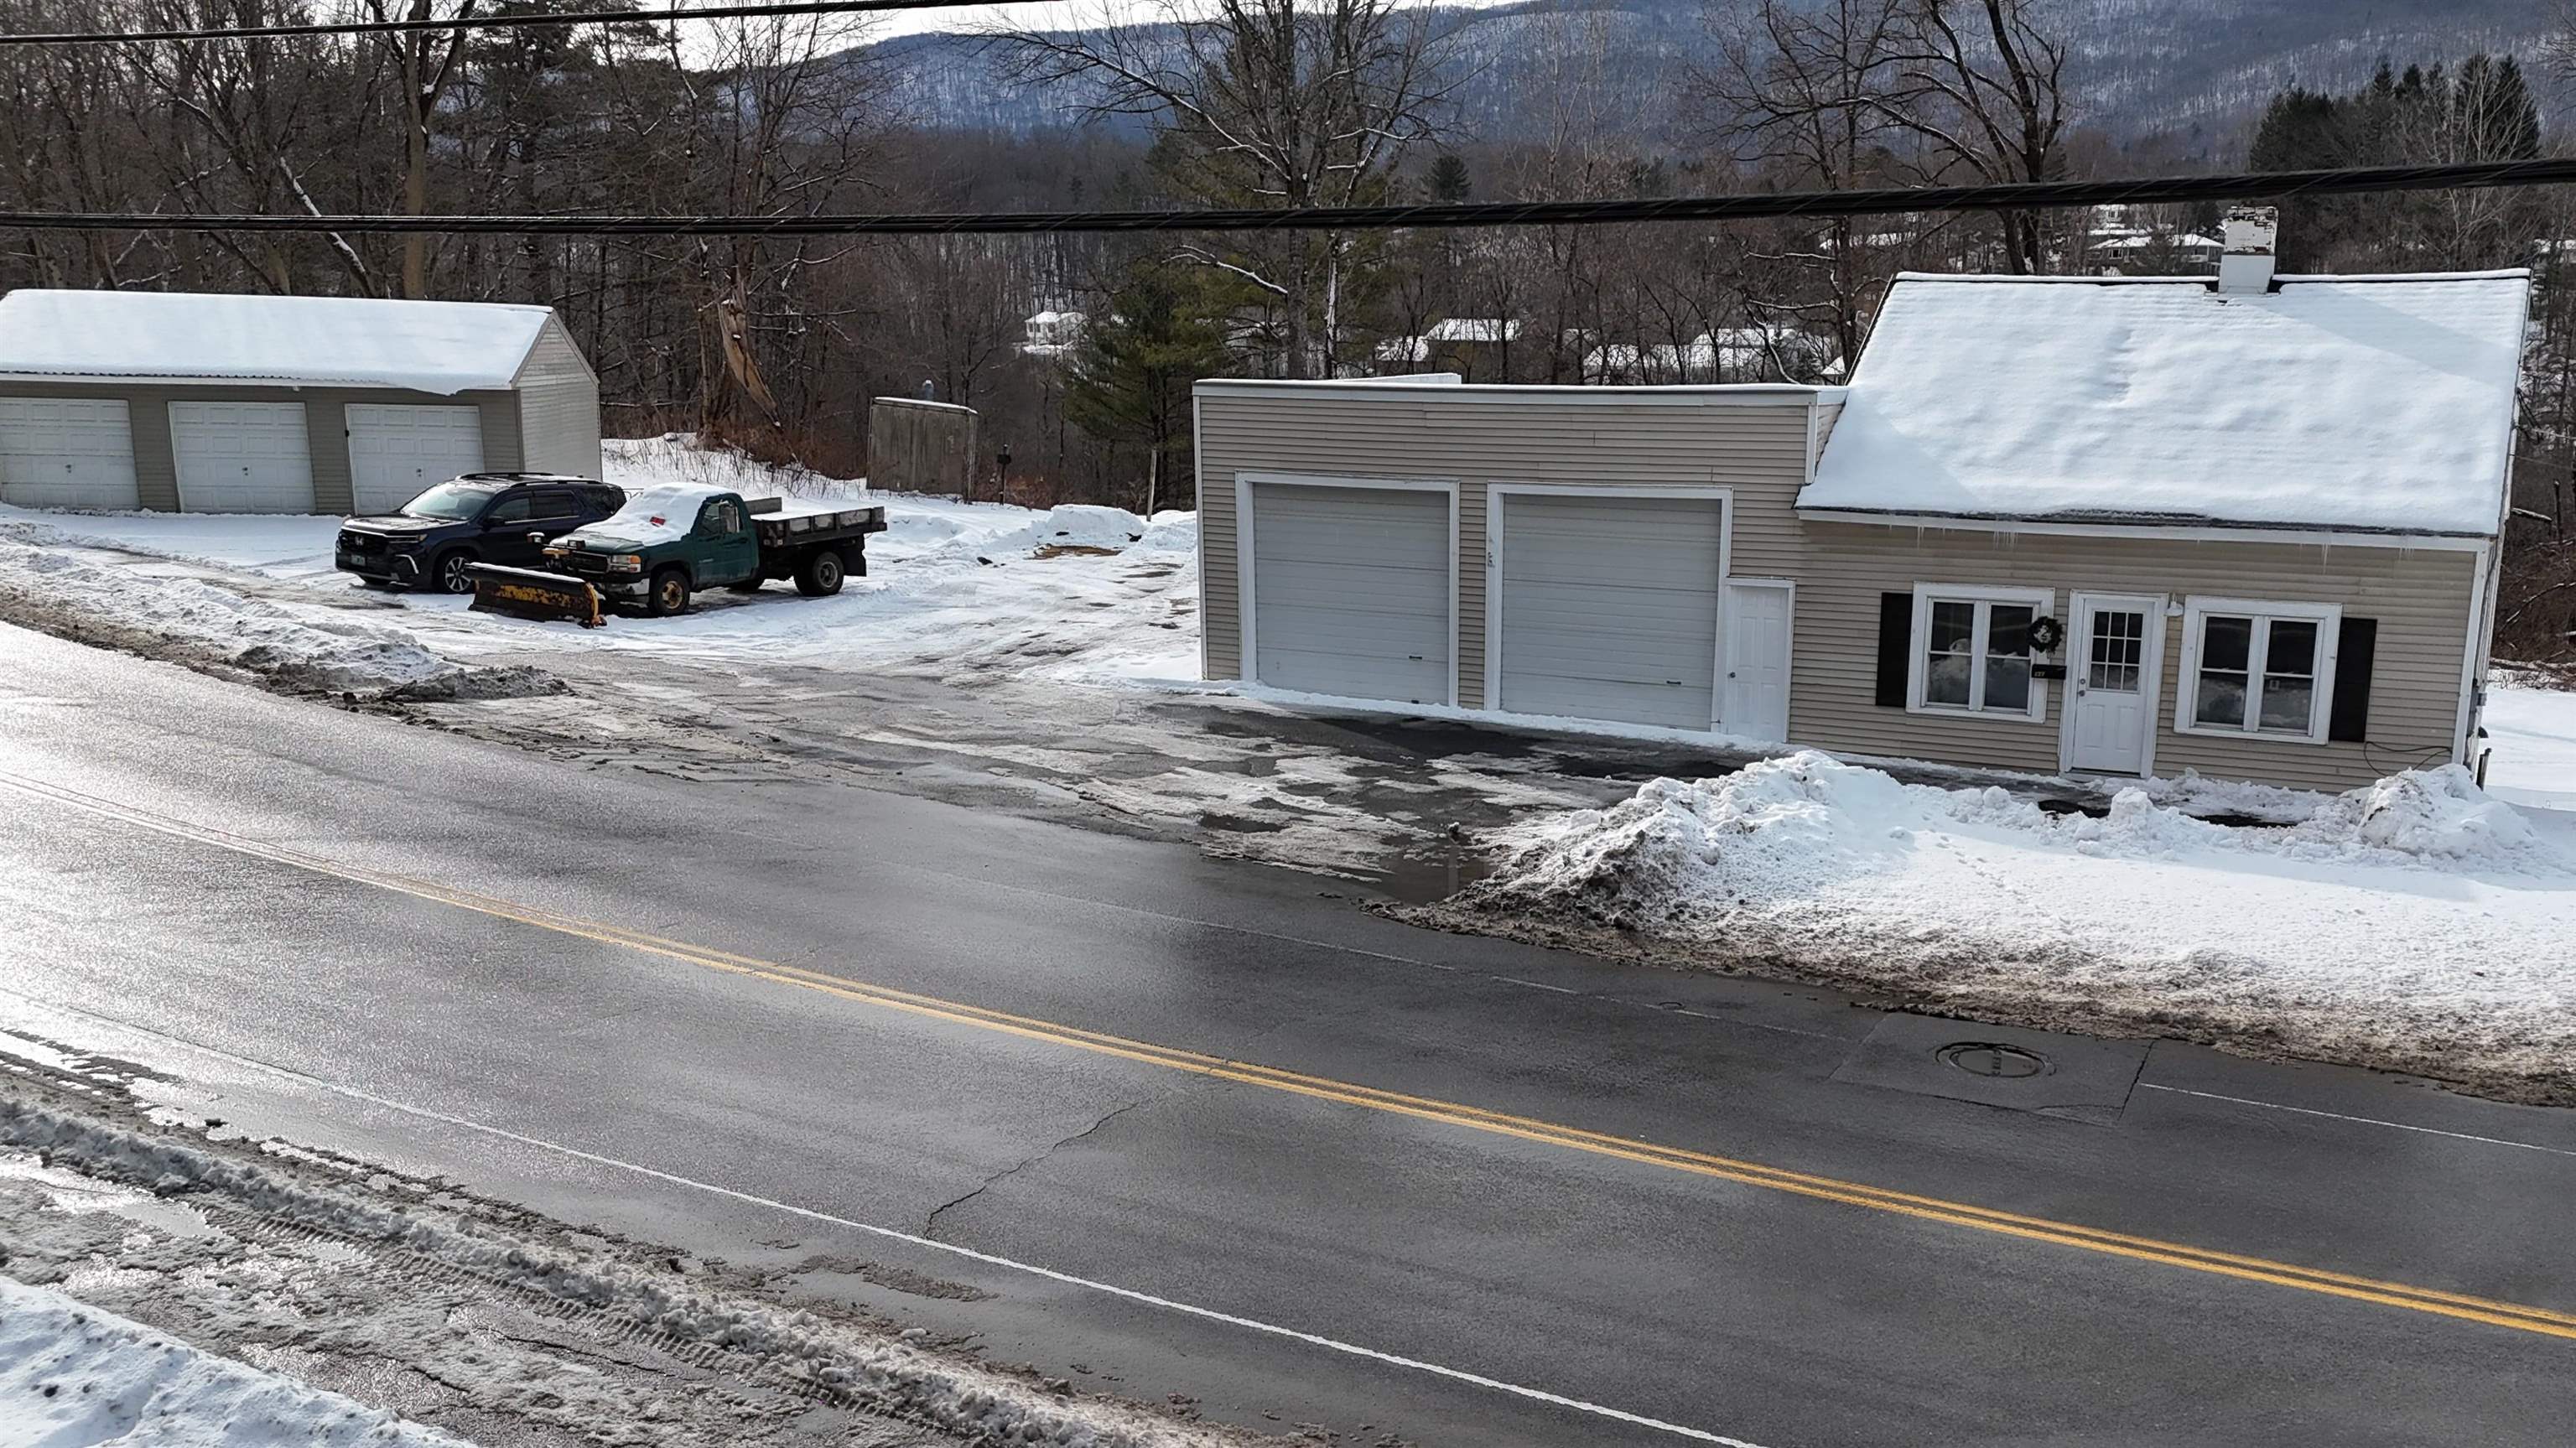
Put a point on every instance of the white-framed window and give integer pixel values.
(2260, 669)
(1972, 651)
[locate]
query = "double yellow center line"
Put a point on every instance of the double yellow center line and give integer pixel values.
(2517, 1316)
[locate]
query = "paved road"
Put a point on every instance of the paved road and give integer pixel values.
(859, 1011)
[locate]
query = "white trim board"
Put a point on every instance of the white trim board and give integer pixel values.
(1494, 496)
(1244, 482)
(2314, 537)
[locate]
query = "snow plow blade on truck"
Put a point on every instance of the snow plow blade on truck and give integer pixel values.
(526, 593)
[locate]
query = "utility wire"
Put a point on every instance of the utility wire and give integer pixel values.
(477, 22)
(2004, 196)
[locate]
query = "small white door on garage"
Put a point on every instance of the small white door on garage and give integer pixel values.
(1606, 606)
(397, 451)
(1754, 702)
(242, 457)
(1352, 590)
(66, 452)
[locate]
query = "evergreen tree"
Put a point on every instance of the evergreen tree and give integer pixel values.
(1134, 368)
(1449, 178)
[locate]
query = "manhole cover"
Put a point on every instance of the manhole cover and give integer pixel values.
(1983, 1058)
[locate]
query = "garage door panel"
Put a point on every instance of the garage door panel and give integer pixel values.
(1608, 607)
(242, 457)
(398, 450)
(1352, 591)
(67, 452)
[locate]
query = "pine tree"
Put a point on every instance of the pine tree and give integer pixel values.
(1134, 368)
(1449, 181)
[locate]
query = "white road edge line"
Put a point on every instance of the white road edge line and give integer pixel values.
(1128, 1293)
(2360, 1120)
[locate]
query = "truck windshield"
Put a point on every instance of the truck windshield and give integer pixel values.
(450, 500)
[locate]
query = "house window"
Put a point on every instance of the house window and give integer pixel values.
(1972, 651)
(2264, 669)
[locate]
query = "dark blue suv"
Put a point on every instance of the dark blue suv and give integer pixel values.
(503, 518)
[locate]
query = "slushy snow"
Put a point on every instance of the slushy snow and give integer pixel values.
(2416, 924)
(71, 1374)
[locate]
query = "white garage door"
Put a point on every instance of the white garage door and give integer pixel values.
(242, 457)
(395, 452)
(1350, 591)
(66, 452)
(1608, 607)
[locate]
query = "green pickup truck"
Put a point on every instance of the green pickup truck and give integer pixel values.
(670, 541)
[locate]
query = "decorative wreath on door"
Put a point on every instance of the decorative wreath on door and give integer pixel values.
(2046, 634)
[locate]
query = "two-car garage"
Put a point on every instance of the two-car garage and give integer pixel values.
(1578, 602)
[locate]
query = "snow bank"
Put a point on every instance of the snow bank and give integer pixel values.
(72, 1374)
(959, 1396)
(2416, 924)
(298, 648)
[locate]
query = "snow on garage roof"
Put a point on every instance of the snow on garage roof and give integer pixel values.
(2380, 404)
(442, 347)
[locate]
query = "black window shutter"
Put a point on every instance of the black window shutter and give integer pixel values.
(2354, 647)
(1895, 647)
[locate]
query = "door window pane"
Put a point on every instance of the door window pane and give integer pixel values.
(2118, 646)
(1945, 674)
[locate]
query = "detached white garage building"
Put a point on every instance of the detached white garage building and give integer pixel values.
(231, 404)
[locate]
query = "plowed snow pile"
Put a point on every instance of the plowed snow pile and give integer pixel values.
(2415, 925)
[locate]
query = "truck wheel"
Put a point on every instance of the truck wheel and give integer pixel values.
(820, 574)
(448, 574)
(669, 594)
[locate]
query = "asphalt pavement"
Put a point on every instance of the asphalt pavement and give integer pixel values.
(1177, 1125)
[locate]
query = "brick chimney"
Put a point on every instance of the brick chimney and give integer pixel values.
(2245, 265)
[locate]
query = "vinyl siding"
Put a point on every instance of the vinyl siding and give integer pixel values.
(156, 476)
(1756, 444)
(2421, 601)
(558, 406)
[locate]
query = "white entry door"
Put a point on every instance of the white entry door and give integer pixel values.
(396, 452)
(66, 452)
(2115, 658)
(1754, 704)
(241, 457)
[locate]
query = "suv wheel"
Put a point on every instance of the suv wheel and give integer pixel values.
(820, 574)
(669, 594)
(449, 574)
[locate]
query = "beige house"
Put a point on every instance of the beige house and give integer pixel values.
(243, 404)
(2116, 527)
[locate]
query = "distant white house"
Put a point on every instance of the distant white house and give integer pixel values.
(1728, 354)
(2188, 250)
(1051, 333)
(1470, 346)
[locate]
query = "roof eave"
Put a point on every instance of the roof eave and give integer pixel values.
(2164, 526)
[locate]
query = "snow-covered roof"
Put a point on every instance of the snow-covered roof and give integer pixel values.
(2143, 241)
(441, 347)
(2374, 404)
(1474, 329)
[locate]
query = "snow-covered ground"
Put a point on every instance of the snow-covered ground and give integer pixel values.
(73, 1374)
(2418, 925)
(1074, 593)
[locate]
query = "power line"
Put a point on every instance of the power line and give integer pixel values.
(477, 22)
(2002, 196)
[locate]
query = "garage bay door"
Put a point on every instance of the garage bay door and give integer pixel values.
(395, 452)
(66, 452)
(1350, 591)
(242, 457)
(1609, 607)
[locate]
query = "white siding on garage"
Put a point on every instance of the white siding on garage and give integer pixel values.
(66, 452)
(1351, 591)
(558, 398)
(1607, 606)
(242, 457)
(397, 451)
